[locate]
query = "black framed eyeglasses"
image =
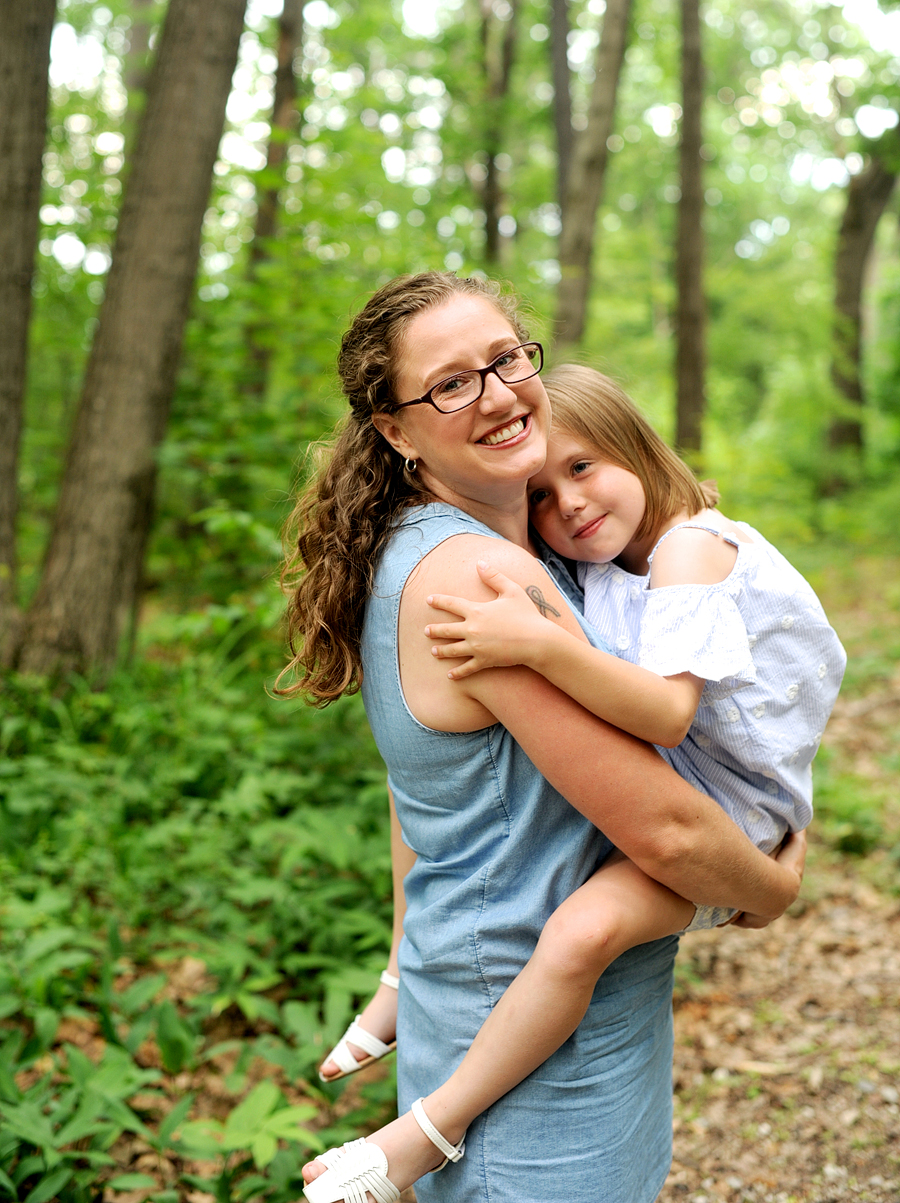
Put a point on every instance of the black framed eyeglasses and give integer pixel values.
(465, 388)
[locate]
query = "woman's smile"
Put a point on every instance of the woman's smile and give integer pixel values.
(507, 435)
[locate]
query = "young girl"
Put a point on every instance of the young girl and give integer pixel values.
(724, 659)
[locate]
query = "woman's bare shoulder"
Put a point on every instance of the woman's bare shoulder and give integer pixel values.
(451, 568)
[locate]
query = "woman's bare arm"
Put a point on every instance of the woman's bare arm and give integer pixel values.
(676, 835)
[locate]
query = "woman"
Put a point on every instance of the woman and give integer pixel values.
(502, 784)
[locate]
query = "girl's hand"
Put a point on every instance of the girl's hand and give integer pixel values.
(496, 634)
(791, 855)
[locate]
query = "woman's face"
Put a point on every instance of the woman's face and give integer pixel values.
(583, 506)
(483, 454)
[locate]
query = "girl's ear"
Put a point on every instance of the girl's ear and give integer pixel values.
(388, 427)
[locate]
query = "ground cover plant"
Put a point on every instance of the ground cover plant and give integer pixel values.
(195, 889)
(195, 896)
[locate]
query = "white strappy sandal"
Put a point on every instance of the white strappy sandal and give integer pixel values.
(360, 1166)
(375, 1048)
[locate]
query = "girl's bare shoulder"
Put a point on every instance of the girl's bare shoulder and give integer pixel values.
(692, 555)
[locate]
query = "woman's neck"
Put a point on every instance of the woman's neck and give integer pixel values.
(505, 515)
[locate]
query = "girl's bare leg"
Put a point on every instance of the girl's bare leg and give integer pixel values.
(616, 909)
(380, 1014)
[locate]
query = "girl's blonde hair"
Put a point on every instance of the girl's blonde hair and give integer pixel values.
(344, 515)
(595, 410)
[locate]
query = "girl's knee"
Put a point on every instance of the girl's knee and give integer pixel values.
(578, 941)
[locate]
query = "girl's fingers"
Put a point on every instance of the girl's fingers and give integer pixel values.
(463, 670)
(493, 577)
(453, 605)
(450, 651)
(443, 630)
(792, 853)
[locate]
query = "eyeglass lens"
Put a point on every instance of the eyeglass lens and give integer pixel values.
(466, 387)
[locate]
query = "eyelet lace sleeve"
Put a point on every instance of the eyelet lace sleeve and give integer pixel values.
(697, 629)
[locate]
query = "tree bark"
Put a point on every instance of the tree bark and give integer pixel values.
(497, 65)
(25, 31)
(92, 571)
(584, 186)
(283, 121)
(562, 96)
(690, 311)
(867, 196)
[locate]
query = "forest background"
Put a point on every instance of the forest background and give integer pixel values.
(194, 892)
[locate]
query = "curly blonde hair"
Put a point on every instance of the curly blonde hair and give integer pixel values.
(359, 486)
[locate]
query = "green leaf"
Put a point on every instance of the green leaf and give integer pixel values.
(251, 1111)
(28, 1122)
(264, 1148)
(131, 1182)
(46, 1025)
(176, 1116)
(202, 1137)
(82, 1122)
(175, 1039)
(140, 993)
(48, 1188)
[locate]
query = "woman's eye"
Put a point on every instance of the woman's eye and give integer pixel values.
(453, 385)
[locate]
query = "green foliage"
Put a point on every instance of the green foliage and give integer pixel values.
(180, 812)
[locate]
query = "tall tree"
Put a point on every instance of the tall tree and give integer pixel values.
(867, 196)
(497, 58)
(281, 125)
(690, 310)
(587, 172)
(92, 572)
(562, 95)
(25, 31)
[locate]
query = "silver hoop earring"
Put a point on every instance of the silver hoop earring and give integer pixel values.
(410, 464)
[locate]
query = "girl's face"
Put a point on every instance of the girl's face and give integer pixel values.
(485, 453)
(583, 506)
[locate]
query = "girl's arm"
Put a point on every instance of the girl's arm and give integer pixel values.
(513, 629)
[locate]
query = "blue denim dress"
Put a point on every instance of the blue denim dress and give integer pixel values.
(498, 850)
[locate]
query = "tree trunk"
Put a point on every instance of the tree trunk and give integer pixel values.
(283, 121)
(497, 64)
(92, 571)
(25, 31)
(690, 312)
(584, 186)
(867, 196)
(562, 96)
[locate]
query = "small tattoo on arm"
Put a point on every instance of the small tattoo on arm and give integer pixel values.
(541, 602)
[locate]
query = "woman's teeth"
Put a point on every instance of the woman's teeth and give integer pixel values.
(508, 432)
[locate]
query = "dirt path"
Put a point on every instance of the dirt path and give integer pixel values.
(787, 1054)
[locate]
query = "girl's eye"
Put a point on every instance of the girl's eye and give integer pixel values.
(537, 497)
(580, 466)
